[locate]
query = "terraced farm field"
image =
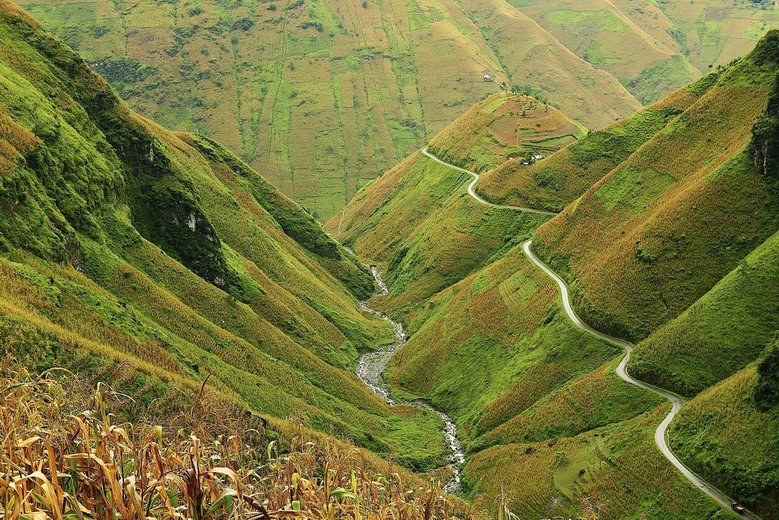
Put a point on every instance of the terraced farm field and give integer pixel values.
(321, 96)
(504, 126)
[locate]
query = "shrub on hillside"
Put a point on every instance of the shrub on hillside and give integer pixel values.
(767, 387)
(767, 49)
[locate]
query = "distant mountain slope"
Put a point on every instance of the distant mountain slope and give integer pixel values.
(323, 95)
(351, 87)
(714, 32)
(126, 247)
(602, 32)
(534, 59)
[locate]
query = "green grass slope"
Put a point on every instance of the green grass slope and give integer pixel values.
(122, 241)
(730, 435)
(607, 473)
(491, 347)
(731, 323)
(657, 232)
(545, 420)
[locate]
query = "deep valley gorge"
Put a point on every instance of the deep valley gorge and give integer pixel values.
(368, 260)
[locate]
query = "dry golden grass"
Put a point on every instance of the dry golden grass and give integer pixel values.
(59, 463)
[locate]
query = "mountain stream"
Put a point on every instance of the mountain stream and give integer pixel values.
(370, 370)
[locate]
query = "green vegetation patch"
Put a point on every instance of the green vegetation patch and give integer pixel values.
(633, 188)
(607, 20)
(732, 323)
(725, 436)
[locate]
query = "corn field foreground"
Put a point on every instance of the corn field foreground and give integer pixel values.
(56, 464)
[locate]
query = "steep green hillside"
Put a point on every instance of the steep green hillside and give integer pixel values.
(126, 247)
(492, 351)
(731, 323)
(730, 434)
(539, 407)
(489, 344)
(544, 418)
(662, 228)
(696, 260)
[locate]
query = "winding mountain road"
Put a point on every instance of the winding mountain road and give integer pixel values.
(676, 401)
(473, 193)
(621, 370)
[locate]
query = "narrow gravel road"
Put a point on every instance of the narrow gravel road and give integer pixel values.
(473, 193)
(676, 402)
